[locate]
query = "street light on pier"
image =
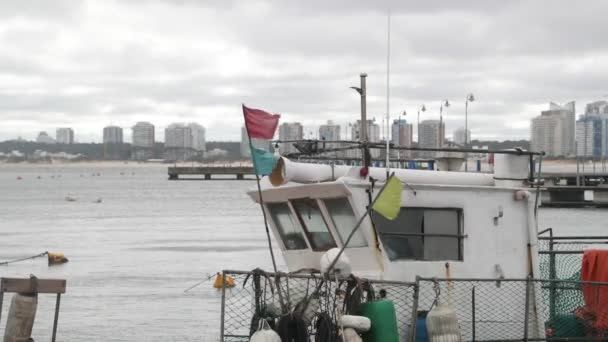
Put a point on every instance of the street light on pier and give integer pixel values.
(421, 109)
(446, 104)
(470, 98)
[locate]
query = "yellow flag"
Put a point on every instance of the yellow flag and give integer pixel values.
(389, 202)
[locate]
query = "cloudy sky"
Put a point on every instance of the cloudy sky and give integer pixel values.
(87, 64)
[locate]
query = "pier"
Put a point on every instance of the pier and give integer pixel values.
(207, 172)
(574, 190)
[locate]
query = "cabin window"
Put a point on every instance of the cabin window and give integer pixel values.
(313, 223)
(422, 234)
(287, 228)
(344, 220)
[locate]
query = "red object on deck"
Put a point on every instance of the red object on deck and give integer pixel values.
(595, 268)
(364, 171)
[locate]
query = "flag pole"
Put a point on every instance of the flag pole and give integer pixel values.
(257, 178)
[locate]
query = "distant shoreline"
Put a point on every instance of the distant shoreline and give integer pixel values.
(116, 163)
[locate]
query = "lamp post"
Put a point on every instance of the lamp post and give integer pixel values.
(421, 109)
(446, 104)
(470, 98)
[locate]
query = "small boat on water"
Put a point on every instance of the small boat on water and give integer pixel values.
(70, 198)
(462, 259)
(391, 254)
(466, 240)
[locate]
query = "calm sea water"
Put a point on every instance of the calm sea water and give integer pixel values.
(133, 255)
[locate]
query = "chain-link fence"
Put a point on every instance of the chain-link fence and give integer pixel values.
(255, 295)
(486, 309)
(561, 256)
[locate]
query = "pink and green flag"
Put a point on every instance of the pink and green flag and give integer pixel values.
(261, 125)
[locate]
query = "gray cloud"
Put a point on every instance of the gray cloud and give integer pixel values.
(90, 63)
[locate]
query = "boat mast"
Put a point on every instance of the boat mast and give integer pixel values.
(363, 128)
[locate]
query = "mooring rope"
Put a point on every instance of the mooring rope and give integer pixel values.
(4, 263)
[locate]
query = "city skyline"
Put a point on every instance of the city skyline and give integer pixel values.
(63, 65)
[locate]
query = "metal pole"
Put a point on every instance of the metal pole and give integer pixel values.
(418, 127)
(399, 136)
(552, 276)
(363, 128)
(1, 299)
(440, 124)
(473, 312)
(466, 136)
(388, 88)
(223, 308)
(58, 301)
(527, 312)
(578, 181)
(415, 309)
(257, 178)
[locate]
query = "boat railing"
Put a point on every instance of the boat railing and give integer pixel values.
(487, 309)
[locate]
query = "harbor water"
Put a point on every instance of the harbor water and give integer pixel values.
(133, 254)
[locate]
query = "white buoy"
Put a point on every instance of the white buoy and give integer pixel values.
(442, 324)
(359, 323)
(342, 267)
(21, 317)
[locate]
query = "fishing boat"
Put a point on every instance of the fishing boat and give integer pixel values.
(462, 260)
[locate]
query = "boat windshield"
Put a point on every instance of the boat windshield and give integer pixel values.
(313, 223)
(287, 228)
(344, 220)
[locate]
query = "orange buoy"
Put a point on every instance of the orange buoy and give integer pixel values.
(219, 281)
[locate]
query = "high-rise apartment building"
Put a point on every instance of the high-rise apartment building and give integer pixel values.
(290, 131)
(142, 147)
(178, 142)
(554, 130)
(112, 143)
(329, 131)
(402, 133)
(143, 134)
(178, 135)
(590, 142)
(198, 136)
(592, 130)
(460, 138)
(432, 134)
(112, 135)
(546, 135)
(64, 135)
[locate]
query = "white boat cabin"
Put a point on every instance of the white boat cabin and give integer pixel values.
(451, 224)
